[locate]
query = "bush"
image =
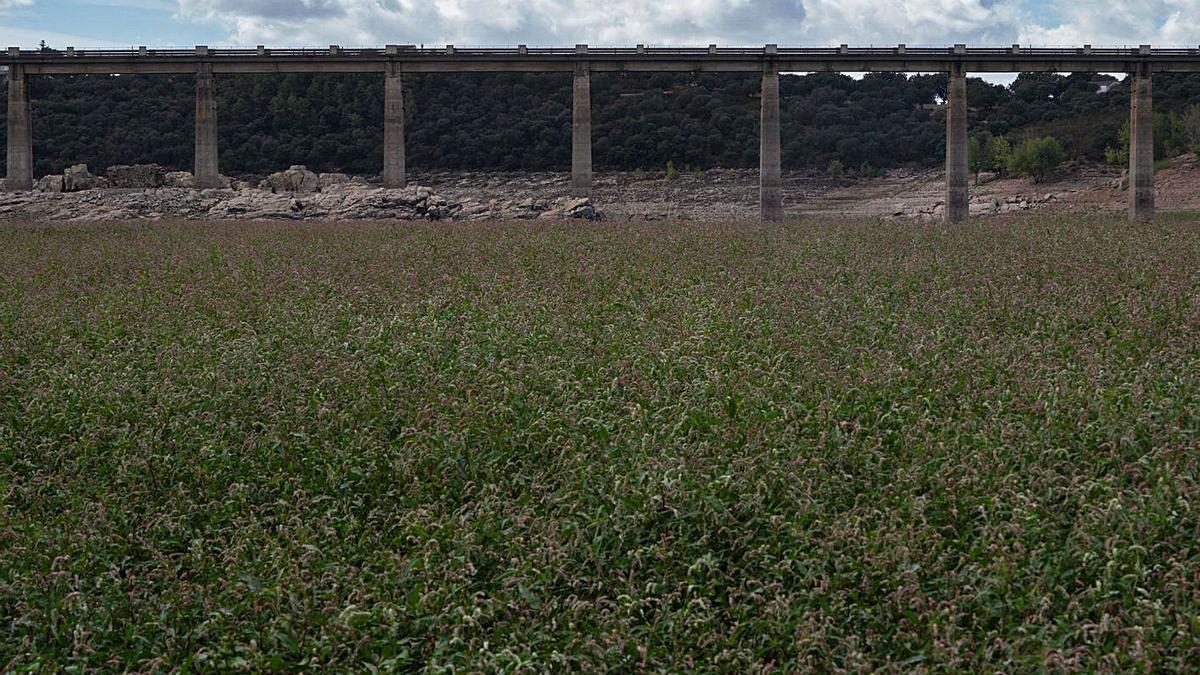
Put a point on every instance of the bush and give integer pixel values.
(1000, 151)
(1037, 156)
(979, 155)
(1119, 155)
(672, 172)
(836, 168)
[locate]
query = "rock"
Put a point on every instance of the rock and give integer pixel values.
(326, 180)
(296, 179)
(78, 178)
(581, 208)
(51, 183)
(136, 176)
(178, 179)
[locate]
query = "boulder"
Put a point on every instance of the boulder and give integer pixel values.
(52, 183)
(326, 180)
(178, 179)
(296, 179)
(77, 178)
(581, 208)
(141, 176)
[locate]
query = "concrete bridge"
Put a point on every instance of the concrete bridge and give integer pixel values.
(395, 60)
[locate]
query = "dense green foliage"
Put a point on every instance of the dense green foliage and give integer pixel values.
(1036, 157)
(1175, 133)
(986, 152)
(511, 121)
(812, 447)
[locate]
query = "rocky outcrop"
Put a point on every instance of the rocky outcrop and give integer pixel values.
(350, 200)
(297, 179)
(328, 180)
(179, 179)
(51, 183)
(78, 178)
(141, 176)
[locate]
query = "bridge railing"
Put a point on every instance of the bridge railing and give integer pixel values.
(409, 51)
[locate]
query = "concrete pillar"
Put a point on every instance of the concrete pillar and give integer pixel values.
(394, 171)
(958, 202)
(770, 157)
(581, 132)
(207, 174)
(20, 140)
(1141, 147)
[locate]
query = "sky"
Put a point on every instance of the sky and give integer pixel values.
(796, 23)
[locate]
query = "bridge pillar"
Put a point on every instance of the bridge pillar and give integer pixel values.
(207, 174)
(770, 172)
(958, 202)
(20, 140)
(1141, 146)
(394, 172)
(581, 132)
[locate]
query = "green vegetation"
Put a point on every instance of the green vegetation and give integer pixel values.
(979, 156)
(523, 121)
(819, 446)
(1174, 134)
(1119, 155)
(1035, 157)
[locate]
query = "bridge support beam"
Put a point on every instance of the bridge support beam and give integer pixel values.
(1141, 146)
(207, 174)
(581, 132)
(958, 201)
(770, 170)
(20, 139)
(394, 171)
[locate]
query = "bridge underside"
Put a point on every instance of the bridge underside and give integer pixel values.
(395, 60)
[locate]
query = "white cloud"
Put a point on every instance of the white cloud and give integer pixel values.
(11, 4)
(1119, 22)
(28, 38)
(749, 22)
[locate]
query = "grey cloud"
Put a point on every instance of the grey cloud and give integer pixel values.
(288, 10)
(746, 22)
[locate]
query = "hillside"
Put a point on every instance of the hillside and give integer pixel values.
(522, 121)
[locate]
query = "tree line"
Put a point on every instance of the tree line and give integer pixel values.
(523, 121)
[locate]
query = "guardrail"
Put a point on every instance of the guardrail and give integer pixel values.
(582, 51)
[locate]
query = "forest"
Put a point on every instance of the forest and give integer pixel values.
(523, 121)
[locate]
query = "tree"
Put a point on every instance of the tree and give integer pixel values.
(979, 155)
(1119, 155)
(1001, 153)
(1191, 128)
(1037, 156)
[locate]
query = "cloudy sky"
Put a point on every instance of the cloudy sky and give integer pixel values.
(84, 23)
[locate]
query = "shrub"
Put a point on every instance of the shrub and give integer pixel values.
(836, 168)
(1119, 155)
(672, 172)
(979, 155)
(1037, 156)
(1000, 151)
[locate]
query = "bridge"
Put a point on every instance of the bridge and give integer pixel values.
(393, 61)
